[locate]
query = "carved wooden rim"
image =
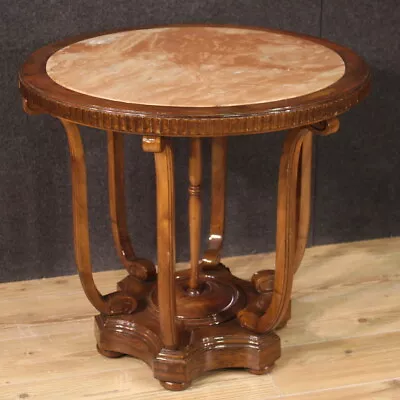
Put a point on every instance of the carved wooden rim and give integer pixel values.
(42, 94)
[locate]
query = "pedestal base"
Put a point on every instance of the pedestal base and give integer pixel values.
(202, 349)
(217, 341)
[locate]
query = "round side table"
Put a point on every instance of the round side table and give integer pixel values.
(194, 81)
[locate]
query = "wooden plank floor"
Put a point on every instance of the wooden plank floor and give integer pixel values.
(343, 341)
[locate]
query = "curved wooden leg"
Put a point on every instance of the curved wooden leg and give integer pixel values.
(275, 306)
(139, 268)
(303, 210)
(113, 303)
(272, 308)
(195, 175)
(218, 172)
(165, 237)
(304, 199)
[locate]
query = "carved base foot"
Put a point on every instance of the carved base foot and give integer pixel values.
(263, 282)
(109, 354)
(262, 371)
(208, 340)
(175, 386)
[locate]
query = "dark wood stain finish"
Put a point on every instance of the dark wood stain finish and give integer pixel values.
(183, 324)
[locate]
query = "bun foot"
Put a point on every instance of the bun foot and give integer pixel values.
(175, 386)
(262, 371)
(108, 353)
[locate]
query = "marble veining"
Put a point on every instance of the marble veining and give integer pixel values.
(195, 66)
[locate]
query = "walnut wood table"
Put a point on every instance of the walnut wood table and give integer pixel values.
(196, 82)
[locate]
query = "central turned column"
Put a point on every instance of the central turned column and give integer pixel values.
(195, 174)
(194, 297)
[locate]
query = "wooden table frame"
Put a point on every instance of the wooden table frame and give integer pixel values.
(204, 318)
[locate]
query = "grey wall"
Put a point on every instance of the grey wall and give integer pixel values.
(357, 174)
(356, 184)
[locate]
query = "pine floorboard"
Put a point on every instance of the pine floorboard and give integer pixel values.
(343, 341)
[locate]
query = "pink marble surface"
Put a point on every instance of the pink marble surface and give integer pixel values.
(195, 66)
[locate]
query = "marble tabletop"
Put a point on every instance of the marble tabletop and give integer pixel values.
(195, 66)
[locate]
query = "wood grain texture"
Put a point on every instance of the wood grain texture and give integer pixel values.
(287, 229)
(42, 93)
(345, 331)
(164, 164)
